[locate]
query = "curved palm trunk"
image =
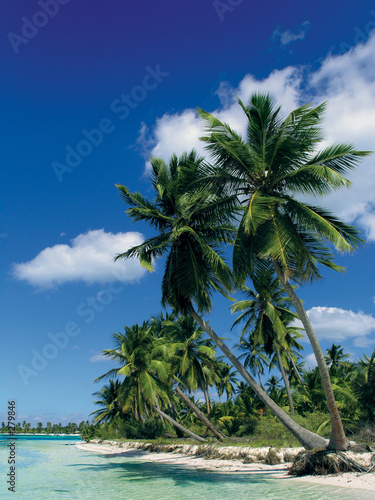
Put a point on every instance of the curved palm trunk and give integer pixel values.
(286, 381)
(338, 439)
(308, 439)
(179, 426)
(202, 417)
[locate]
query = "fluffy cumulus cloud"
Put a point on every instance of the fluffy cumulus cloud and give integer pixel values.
(89, 258)
(346, 82)
(288, 36)
(336, 324)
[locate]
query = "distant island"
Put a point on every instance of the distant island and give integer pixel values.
(25, 428)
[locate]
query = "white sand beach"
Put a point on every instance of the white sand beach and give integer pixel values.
(184, 456)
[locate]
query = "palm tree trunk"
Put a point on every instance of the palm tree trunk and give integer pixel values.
(179, 426)
(202, 417)
(308, 439)
(286, 381)
(338, 439)
(207, 403)
(208, 409)
(259, 377)
(297, 371)
(136, 416)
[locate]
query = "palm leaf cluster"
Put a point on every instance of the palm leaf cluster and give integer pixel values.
(280, 159)
(193, 228)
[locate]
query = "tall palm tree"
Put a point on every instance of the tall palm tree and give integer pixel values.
(193, 226)
(277, 160)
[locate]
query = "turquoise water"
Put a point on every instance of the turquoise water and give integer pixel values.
(53, 467)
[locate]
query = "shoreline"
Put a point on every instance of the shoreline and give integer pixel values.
(184, 455)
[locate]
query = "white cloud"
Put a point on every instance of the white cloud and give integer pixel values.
(175, 134)
(336, 324)
(98, 358)
(310, 361)
(346, 81)
(89, 258)
(364, 342)
(286, 37)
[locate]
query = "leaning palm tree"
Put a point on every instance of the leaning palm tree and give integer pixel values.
(192, 227)
(277, 160)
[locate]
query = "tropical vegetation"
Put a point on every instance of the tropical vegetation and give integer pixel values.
(50, 428)
(247, 202)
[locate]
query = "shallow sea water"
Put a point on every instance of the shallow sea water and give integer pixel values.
(55, 468)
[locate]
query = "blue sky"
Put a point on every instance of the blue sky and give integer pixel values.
(118, 81)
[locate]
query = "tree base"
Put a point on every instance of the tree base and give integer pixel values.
(323, 462)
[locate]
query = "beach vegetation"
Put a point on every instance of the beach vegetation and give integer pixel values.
(248, 200)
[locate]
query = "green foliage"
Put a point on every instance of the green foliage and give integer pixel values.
(367, 393)
(88, 432)
(277, 159)
(193, 228)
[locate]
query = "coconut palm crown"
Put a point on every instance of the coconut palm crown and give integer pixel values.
(192, 228)
(277, 160)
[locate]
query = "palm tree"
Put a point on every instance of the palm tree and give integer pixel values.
(193, 226)
(274, 388)
(279, 159)
(367, 390)
(193, 360)
(335, 357)
(266, 311)
(255, 357)
(109, 402)
(366, 365)
(146, 388)
(227, 380)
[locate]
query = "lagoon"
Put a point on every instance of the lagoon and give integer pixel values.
(52, 467)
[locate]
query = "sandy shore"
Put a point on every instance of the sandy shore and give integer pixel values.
(184, 456)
